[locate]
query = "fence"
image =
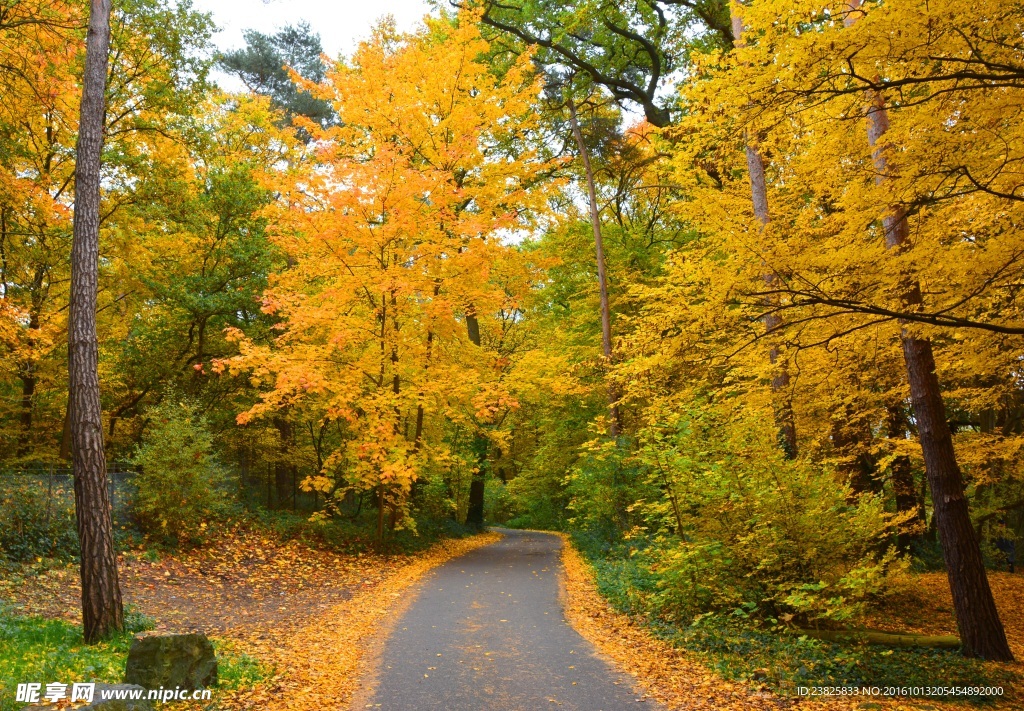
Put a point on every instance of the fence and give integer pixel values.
(59, 485)
(256, 485)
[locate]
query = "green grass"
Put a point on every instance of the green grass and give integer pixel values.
(740, 650)
(786, 661)
(34, 649)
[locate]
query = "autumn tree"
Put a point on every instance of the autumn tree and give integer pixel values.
(264, 65)
(844, 269)
(981, 630)
(393, 229)
(153, 89)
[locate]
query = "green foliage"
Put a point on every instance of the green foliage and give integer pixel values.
(262, 66)
(435, 497)
(181, 487)
(36, 522)
(238, 670)
(774, 655)
(497, 502)
(34, 649)
(724, 524)
(786, 661)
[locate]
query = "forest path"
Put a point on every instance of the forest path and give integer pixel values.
(487, 631)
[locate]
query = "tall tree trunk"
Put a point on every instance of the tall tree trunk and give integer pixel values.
(850, 441)
(614, 425)
(781, 402)
(102, 611)
(981, 631)
(28, 389)
(285, 471)
(475, 511)
(902, 477)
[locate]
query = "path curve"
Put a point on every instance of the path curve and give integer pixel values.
(487, 632)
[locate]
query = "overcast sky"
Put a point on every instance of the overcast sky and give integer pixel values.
(340, 23)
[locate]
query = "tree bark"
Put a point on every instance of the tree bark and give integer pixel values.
(102, 611)
(27, 369)
(981, 630)
(285, 471)
(902, 478)
(28, 389)
(475, 510)
(782, 403)
(614, 424)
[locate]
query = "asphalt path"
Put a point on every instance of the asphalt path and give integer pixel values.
(486, 632)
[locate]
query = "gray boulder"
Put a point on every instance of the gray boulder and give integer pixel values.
(99, 704)
(171, 660)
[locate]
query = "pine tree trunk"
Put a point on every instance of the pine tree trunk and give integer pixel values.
(981, 630)
(102, 612)
(614, 423)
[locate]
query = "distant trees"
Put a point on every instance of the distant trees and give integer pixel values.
(264, 65)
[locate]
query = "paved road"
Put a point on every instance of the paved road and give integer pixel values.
(487, 633)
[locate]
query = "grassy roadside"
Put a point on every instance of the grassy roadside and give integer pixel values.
(721, 663)
(294, 625)
(36, 649)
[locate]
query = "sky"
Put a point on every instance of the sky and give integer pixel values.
(340, 23)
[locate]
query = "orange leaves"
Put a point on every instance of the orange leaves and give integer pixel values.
(393, 232)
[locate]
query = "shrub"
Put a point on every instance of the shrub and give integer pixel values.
(37, 522)
(181, 488)
(722, 523)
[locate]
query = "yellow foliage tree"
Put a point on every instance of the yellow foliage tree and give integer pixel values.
(401, 289)
(889, 148)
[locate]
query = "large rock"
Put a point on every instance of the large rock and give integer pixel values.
(171, 660)
(98, 704)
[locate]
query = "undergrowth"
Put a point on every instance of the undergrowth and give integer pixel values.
(743, 649)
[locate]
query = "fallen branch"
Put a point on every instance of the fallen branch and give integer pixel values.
(889, 639)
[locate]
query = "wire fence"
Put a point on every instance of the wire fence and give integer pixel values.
(58, 485)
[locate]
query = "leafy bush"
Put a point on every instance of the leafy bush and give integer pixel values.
(181, 488)
(497, 502)
(37, 522)
(722, 523)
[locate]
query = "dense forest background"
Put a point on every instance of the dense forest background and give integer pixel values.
(694, 281)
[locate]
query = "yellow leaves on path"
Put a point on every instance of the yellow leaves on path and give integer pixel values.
(312, 616)
(320, 664)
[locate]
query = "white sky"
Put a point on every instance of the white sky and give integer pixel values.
(340, 23)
